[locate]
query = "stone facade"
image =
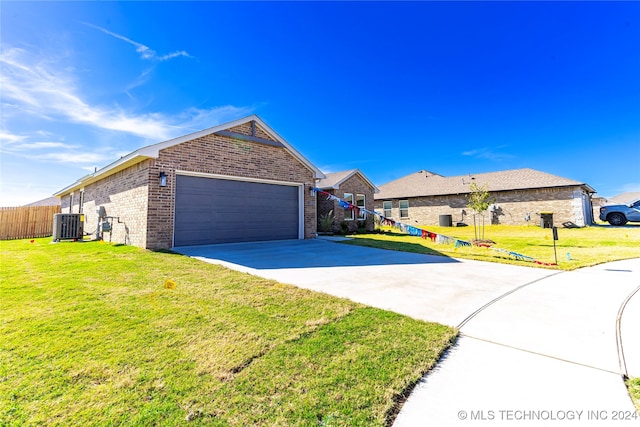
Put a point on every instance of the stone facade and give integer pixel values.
(146, 210)
(511, 207)
(353, 185)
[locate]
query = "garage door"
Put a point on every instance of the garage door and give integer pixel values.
(212, 210)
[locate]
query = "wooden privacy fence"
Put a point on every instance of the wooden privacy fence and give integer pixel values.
(27, 222)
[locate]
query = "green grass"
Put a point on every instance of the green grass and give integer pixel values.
(90, 336)
(633, 385)
(575, 247)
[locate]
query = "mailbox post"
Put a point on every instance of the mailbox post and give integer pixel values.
(555, 237)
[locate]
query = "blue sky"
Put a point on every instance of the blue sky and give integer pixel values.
(389, 88)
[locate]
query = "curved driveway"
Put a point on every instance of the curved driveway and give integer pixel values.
(536, 347)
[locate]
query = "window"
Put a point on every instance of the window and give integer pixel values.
(404, 209)
(71, 203)
(360, 204)
(348, 214)
(386, 209)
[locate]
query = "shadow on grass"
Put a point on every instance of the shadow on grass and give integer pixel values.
(606, 225)
(393, 245)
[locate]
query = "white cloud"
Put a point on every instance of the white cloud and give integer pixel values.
(141, 80)
(488, 153)
(40, 88)
(80, 158)
(173, 55)
(144, 51)
(57, 152)
(43, 91)
(9, 138)
(41, 145)
(49, 119)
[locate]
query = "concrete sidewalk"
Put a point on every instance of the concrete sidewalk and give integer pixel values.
(543, 353)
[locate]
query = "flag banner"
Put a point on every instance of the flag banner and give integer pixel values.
(422, 233)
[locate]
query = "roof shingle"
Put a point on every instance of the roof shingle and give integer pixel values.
(425, 183)
(335, 179)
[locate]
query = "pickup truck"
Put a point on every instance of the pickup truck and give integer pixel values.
(621, 214)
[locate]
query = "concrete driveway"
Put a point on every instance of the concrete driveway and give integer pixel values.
(536, 347)
(427, 287)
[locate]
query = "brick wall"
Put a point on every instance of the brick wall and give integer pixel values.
(123, 195)
(512, 207)
(246, 129)
(354, 185)
(214, 154)
(146, 210)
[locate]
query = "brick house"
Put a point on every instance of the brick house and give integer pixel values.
(351, 186)
(520, 195)
(235, 182)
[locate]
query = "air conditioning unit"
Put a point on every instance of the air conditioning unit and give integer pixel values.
(68, 227)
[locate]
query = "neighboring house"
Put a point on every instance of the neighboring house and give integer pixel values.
(49, 201)
(521, 195)
(619, 199)
(597, 202)
(236, 182)
(353, 187)
(623, 198)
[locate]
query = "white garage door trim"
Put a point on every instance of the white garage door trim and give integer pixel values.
(300, 186)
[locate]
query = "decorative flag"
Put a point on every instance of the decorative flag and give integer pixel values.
(419, 232)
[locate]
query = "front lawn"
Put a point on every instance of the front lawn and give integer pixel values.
(94, 334)
(575, 247)
(633, 385)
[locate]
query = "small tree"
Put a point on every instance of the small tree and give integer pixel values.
(479, 201)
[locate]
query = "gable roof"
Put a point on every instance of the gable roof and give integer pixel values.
(332, 181)
(153, 151)
(425, 183)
